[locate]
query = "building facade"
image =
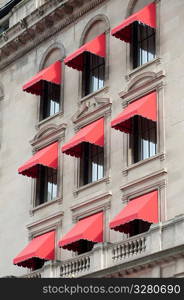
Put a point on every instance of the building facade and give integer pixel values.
(91, 113)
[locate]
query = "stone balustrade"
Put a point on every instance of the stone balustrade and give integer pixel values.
(34, 274)
(161, 237)
(129, 248)
(75, 267)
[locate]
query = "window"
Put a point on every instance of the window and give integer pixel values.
(138, 215)
(91, 163)
(50, 99)
(143, 140)
(80, 240)
(37, 263)
(84, 246)
(93, 74)
(4, 26)
(142, 44)
(40, 249)
(46, 185)
(138, 227)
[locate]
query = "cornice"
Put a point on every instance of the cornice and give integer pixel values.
(42, 23)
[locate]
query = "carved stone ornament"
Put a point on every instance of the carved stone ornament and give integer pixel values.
(47, 134)
(91, 107)
(59, 14)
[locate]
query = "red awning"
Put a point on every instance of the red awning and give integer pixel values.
(51, 74)
(92, 133)
(142, 208)
(89, 228)
(147, 16)
(42, 247)
(47, 156)
(145, 107)
(96, 46)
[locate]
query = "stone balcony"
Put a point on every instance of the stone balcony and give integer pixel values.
(163, 243)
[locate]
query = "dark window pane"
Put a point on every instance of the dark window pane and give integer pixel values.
(91, 164)
(37, 263)
(138, 227)
(93, 73)
(50, 99)
(4, 26)
(46, 185)
(101, 76)
(84, 246)
(142, 44)
(143, 138)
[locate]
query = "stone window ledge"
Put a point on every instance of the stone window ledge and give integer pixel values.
(160, 156)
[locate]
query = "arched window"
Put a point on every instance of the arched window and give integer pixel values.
(93, 74)
(142, 46)
(139, 30)
(50, 102)
(137, 5)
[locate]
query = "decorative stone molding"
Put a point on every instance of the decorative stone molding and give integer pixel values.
(53, 117)
(103, 91)
(81, 111)
(5, 36)
(96, 18)
(47, 134)
(45, 224)
(23, 23)
(87, 186)
(124, 104)
(146, 186)
(102, 100)
(60, 13)
(92, 205)
(132, 73)
(96, 107)
(143, 179)
(52, 47)
(141, 81)
(160, 184)
(160, 156)
(125, 172)
(35, 209)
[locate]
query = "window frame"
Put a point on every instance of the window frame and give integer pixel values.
(139, 227)
(135, 56)
(136, 140)
(86, 167)
(43, 64)
(131, 96)
(45, 110)
(88, 86)
(39, 143)
(105, 113)
(42, 189)
(106, 31)
(3, 21)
